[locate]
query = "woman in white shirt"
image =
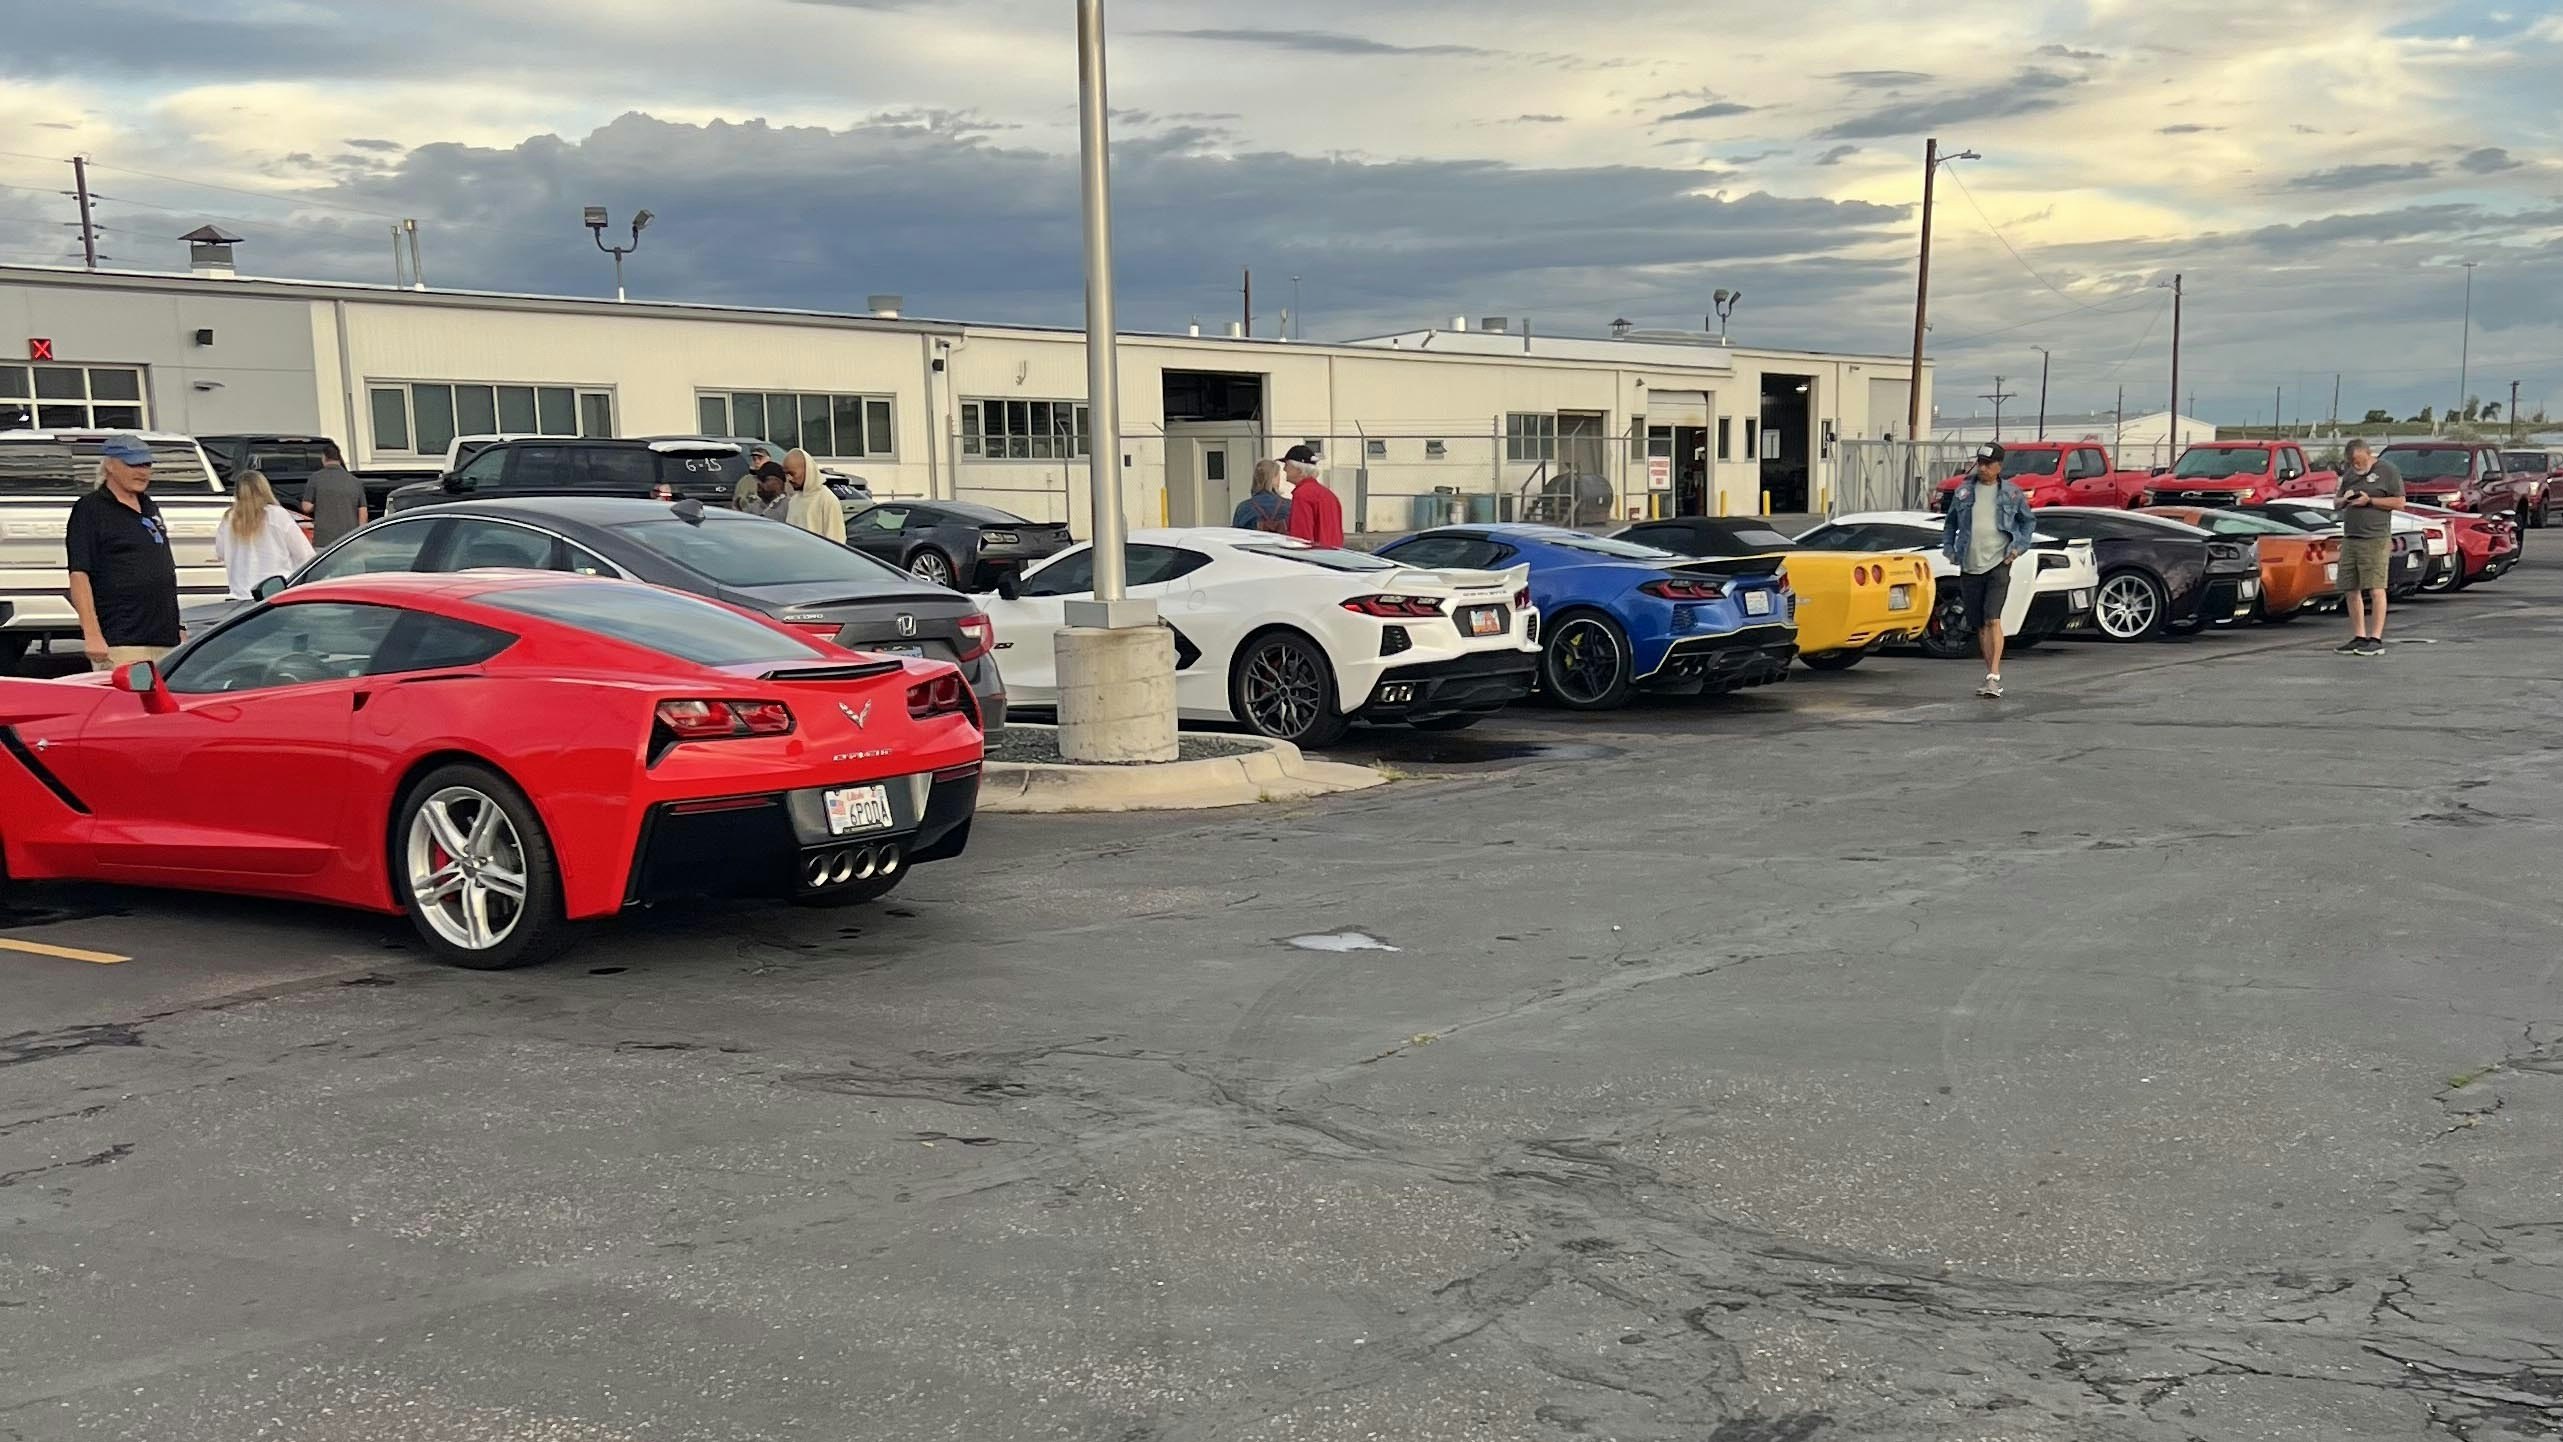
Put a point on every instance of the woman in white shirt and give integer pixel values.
(258, 538)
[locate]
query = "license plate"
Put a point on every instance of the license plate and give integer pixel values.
(2332, 572)
(2082, 600)
(1757, 603)
(858, 808)
(1900, 598)
(898, 648)
(1485, 621)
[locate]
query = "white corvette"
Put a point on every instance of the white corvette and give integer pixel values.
(2051, 587)
(1293, 640)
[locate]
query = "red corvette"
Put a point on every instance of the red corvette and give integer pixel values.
(499, 754)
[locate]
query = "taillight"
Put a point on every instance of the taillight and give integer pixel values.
(1404, 608)
(662, 492)
(720, 720)
(1786, 589)
(1522, 599)
(1684, 589)
(978, 636)
(824, 630)
(941, 696)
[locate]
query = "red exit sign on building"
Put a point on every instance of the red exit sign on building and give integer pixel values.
(38, 348)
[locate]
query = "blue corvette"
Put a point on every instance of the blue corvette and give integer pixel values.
(1620, 617)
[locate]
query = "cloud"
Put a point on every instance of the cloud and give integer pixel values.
(1837, 155)
(1756, 157)
(2189, 129)
(1714, 110)
(354, 143)
(2490, 160)
(2026, 92)
(2066, 52)
(2351, 177)
(1317, 42)
(1536, 120)
(1882, 77)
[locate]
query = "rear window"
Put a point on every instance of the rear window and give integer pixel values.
(978, 514)
(1605, 546)
(69, 466)
(1332, 560)
(2527, 460)
(2429, 464)
(668, 622)
(752, 551)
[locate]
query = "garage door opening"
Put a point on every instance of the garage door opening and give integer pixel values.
(1787, 441)
(1214, 433)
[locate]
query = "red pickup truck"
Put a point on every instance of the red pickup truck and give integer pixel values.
(2241, 473)
(2060, 473)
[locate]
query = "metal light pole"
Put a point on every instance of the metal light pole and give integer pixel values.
(596, 223)
(2043, 359)
(2465, 348)
(2173, 435)
(1116, 664)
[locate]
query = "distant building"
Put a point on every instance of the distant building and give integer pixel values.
(2147, 439)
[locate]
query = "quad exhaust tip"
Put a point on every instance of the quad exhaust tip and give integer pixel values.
(852, 863)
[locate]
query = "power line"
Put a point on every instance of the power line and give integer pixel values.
(2006, 244)
(286, 197)
(2044, 319)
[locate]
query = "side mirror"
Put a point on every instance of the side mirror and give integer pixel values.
(1008, 587)
(142, 678)
(267, 588)
(453, 484)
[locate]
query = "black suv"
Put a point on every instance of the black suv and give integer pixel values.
(666, 469)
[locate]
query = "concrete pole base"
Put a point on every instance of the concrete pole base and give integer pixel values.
(1116, 695)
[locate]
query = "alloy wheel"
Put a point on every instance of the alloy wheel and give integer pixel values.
(2127, 607)
(931, 566)
(1284, 691)
(1588, 661)
(467, 868)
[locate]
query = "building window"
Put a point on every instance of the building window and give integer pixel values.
(1529, 437)
(1376, 450)
(422, 418)
(833, 427)
(1023, 430)
(71, 397)
(1726, 438)
(1436, 451)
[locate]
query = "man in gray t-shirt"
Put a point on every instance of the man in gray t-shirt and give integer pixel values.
(2371, 492)
(333, 499)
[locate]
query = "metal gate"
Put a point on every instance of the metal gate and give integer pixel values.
(1892, 475)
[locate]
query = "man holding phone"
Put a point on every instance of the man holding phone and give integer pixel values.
(2371, 492)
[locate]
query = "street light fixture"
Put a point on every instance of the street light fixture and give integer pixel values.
(1725, 301)
(594, 216)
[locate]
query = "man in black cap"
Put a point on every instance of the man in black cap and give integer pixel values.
(1315, 515)
(1988, 527)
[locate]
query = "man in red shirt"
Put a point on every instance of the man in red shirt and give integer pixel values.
(1316, 516)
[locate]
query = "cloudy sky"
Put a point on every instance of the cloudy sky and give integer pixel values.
(2317, 171)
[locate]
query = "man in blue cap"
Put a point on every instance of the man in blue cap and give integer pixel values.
(124, 579)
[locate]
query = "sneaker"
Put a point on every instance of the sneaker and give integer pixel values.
(1992, 688)
(2354, 646)
(2373, 646)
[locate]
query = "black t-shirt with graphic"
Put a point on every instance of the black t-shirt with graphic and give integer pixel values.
(133, 577)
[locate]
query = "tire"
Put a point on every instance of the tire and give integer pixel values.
(2544, 511)
(1946, 638)
(853, 893)
(933, 565)
(2130, 606)
(1281, 685)
(1585, 663)
(1834, 660)
(467, 809)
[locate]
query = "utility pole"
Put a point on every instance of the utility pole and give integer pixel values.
(2043, 358)
(2465, 348)
(2174, 432)
(1931, 159)
(1298, 324)
(88, 225)
(2277, 402)
(2118, 441)
(2514, 410)
(1248, 290)
(2336, 403)
(1998, 396)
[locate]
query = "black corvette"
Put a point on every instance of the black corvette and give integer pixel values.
(2158, 574)
(960, 544)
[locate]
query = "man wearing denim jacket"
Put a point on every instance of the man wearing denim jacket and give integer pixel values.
(1988, 527)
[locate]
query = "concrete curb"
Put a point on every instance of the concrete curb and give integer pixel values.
(1274, 771)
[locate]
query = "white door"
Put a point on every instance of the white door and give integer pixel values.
(1028, 627)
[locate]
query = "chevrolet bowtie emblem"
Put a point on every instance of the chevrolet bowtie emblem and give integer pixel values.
(859, 718)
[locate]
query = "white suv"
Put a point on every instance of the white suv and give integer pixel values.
(41, 474)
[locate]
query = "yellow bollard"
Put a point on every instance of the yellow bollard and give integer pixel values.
(1721, 500)
(1766, 503)
(1163, 518)
(1824, 500)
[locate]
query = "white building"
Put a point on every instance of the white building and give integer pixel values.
(927, 408)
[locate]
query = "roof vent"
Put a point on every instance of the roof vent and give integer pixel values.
(1496, 325)
(886, 307)
(1459, 323)
(209, 252)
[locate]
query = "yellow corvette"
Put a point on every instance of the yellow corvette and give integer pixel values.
(1850, 603)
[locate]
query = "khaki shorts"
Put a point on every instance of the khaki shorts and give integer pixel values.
(127, 655)
(2367, 563)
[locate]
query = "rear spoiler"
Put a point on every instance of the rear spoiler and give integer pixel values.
(851, 671)
(1728, 566)
(1513, 578)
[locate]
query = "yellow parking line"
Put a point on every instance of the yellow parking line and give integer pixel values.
(67, 953)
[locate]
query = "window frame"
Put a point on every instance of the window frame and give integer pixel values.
(16, 395)
(831, 407)
(585, 400)
(1530, 437)
(1041, 436)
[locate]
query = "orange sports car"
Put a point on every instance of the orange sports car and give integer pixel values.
(2296, 570)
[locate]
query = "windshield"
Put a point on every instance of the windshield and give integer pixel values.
(1750, 540)
(2527, 461)
(2215, 463)
(748, 552)
(2234, 523)
(2437, 463)
(1605, 546)
(669, 622)
(2310, 518)
(1330, 559)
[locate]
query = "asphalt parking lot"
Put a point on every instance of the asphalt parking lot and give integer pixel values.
(2168, 1051)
